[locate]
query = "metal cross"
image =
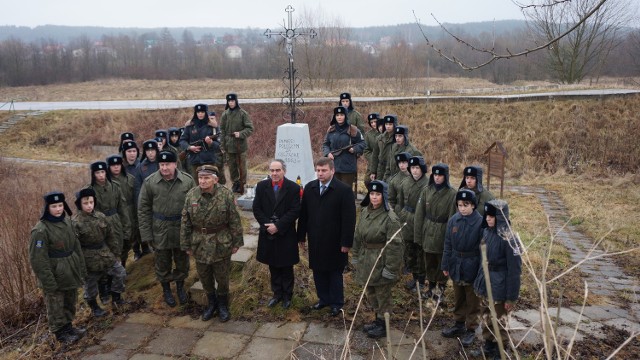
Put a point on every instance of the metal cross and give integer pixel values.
(292, 96)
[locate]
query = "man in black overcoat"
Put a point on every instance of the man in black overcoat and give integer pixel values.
(328, 221)
(276, 207)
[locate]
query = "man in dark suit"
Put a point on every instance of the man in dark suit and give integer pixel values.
(327, 220)
(276, 207)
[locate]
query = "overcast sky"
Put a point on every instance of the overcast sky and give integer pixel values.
(243, 13)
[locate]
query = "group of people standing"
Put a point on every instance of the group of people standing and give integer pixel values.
(172, 198)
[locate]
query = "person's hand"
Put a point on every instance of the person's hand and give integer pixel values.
(189, 252)
(271, 228)
(302, 246)
(236, 134)
(351, 150)
(234, 250)
(330, 156)
(345, 249)
(208, 140)
(195, 149)
(446, 273)
(509, 306)
(372, 177)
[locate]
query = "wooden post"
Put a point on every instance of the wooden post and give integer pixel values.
(497, 155)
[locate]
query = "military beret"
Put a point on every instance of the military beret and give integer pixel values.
(207, 169)
(345, 95)
(167, 156)
(150, 144)
(339, 110)
(127, 136)
(232, 96)
(201, 108)
(470, 171)
(373, 116)
(114, 160)
(161, 133)
(98, 165)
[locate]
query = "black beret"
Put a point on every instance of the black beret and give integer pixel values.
(174, 131)
(401, 130)
(438, 170)
(114, 160)
(232, 96)
(403, 156)
(470, 171)
(98, 165)
(390, 119)
(150, 144)
(129, 145)
(161, 133)
(373, 116)
(201, 107)
(126, 136)
(345, 95)
(53, 197)
(339, 110)
(375, 185)
(467, 195)
(167, 156)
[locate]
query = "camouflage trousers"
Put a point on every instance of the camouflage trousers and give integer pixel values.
(118, 274)
(380, 298)
(433, 264)
(218, 272)
(61, 308)
(237, 163)
(165, 258)
(466, 306)
(413, 258)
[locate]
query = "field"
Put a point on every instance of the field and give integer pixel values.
(586, 150)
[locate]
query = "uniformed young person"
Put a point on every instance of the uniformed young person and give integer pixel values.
(130, 154)
(384, 142)
(99, 247)
(395, 182)
(211, 232)
(236, 127)
(352, 113)
(343, 143)
(460, 262)
(57, 261)
(118, 173)
(148, 165)
(377, 233)
(124, 138)
(401, 144)
(222, 180)
(472, 180)
(435, 206)
(200, 139)
(370, 142)
(159, 213)
(505, 269)
(276, 207)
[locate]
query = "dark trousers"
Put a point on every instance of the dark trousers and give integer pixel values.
(165, 259)
(281, 281)
(466, 306)
(329, 287)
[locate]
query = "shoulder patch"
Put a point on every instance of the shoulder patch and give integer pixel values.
(39, 243)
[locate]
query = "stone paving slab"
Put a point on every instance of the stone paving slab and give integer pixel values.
(567, 315)
(173, 341)
(605, 312)
(117, 354)
(315, 351)
(150, 357)
(127, 335)
(237, 327)
(145, 318)
(188, 323)
(242, 255)
(566, 333)
(321, 333)
(217, 345)
(278, 330)
(268, 349)
(529, 336)
(624, 324)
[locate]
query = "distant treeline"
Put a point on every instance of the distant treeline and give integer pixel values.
(71, 54)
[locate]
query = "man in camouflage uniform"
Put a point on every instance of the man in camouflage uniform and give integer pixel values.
(236, 127)
(110, 202)
(407, 200)
(436, 205)
(353, 115)
(127, 182)
(57, 261)
(384, 142)
(161, 198)
(211, 231)
(99, 247)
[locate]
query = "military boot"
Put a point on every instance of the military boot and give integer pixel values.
(182, 295)
(96, 310)
(235, 186)
(103, 290)
(438, 296)
(489, 349)
(168, 296)
(454, 331)
(411, 284)
(79, 332)
(116, 299)
(212, 307)
(428, 293)
(367, 327)
(223, 308)
(65, 336)
(468, 337)
(379, 331)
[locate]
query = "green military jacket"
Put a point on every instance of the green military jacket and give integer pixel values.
(408, 197)
(211, 225)
(355, 118)
(483, 197)
(394, 189)
(127, 186)
(369, 144)
(96, 239)
(230, 122)
(392, 166)
(380, 155)
(159, 209)
(111, 202)
(374, 230)
(56, 257)
(433, 211)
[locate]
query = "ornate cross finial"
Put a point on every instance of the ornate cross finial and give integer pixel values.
(291, 96)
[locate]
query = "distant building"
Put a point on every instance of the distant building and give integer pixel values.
(233, 52)
(386, 42)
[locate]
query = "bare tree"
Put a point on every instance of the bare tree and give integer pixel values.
(584, 50)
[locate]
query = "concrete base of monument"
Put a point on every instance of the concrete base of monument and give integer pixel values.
(245, 201)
